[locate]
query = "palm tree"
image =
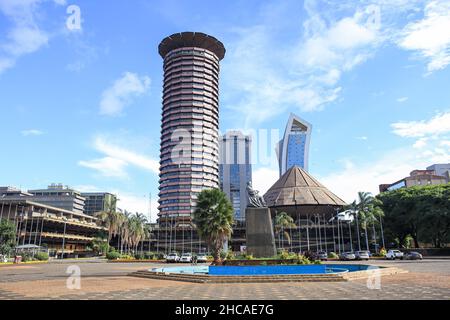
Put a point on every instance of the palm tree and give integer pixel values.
(354, 208)
(110, 218)
(213, 217)
(283, 221)
(364, 206)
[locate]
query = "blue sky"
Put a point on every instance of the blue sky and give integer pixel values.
(83, 106)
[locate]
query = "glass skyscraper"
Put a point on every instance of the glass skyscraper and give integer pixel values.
(235, 169)
(293, 149)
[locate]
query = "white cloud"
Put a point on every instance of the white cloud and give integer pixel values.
(107, 166)
(364, 138)
(32, 132)
(440, 124)
(391, 167)
(421, 143)
(402, 99)
(304, 74)
(263, 178)
(101, 144)
(117, 158)
(137, 203)
(24, 35)
(122, 93)
(430, 36)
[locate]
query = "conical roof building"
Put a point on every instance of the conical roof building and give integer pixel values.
(298, 192)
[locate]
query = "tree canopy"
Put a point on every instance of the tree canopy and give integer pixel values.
(422, 212)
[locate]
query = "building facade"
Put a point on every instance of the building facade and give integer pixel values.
(60, 231)
(235, 170)
(416, 178)
(57, 195)
(98, 201)
(293, 149)
(189, 155)
(441, 169)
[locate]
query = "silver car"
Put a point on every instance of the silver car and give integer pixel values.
(362, 255)
(413, 255)
(347, 256)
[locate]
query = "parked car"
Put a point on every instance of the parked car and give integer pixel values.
(202, 258)
(173, 257)
(413, 255)
(322, 255)
(347, 256)
(362, 255)
(394, 254)
(186, 257)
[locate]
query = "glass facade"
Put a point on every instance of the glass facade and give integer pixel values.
(235, 170)
(293, 149)
(296, 150)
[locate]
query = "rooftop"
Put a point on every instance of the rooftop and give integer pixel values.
(191, 39)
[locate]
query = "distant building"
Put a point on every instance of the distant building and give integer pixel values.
(293, 149)
(98, 201)
(235, 169)
(416, 178)
(58, 230)
(442, 169)
(13, 192)
(60, 196)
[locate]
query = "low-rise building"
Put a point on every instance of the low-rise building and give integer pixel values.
(60, 196)
(59, 230)
(417, 178)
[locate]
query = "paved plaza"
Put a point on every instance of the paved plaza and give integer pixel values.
(427, 279)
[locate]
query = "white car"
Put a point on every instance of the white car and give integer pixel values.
(173, 257)
(202, 258)
(394, 254)
(186, 257)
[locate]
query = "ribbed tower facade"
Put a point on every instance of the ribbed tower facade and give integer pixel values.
(189, 159)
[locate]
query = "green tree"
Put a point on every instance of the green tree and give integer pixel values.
(7, 237)
(423, 212)
(282, 222)
(213, 218)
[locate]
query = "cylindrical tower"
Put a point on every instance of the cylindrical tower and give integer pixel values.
(189, 159)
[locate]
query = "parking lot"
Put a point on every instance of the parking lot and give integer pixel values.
(427, 279)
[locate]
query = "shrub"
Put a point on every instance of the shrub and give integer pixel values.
(149, 256)
(383, 252)
(41, 256)
(113, 255)
(139, 256)
(230, 255)
(249, 257)
(26, 256)
(126, 257)
(303, 260)
(333, 255)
